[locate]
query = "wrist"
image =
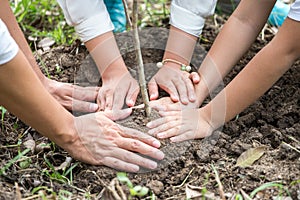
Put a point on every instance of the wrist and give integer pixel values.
(114, 70)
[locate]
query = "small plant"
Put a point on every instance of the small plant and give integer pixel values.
(55, 175)
(3, 111)
(137, 190)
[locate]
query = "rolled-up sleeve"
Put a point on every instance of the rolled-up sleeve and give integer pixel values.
(189, 15)
(295, 11)
(89, 17)
(8, 46)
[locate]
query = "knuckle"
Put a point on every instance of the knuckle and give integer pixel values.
(135, 145)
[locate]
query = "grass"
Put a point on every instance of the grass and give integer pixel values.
(42, 18)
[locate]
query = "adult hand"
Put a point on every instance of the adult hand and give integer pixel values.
(115, 89)
(179, 84)
(100, 141)
(181, 125)
(73, 97)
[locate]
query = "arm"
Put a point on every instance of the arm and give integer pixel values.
(231, 44)
(91, 21)
(262, 72)
(63, 92)
(87, 137)
(182, 38)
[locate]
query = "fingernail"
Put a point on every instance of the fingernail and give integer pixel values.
(160, 135)
(149, 124)
(156, 143)
(94, 107)
(160, 155)
(152, 165)
(130, 103)
(152, 96)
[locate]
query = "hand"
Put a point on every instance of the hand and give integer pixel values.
(177, 83)
(166, 104)
(73, 97)
(100, 141)
(181, 125)
(115, 89)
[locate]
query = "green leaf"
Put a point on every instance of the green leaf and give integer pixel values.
(122, 177)
(247, 158)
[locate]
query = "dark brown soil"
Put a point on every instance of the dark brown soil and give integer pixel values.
(273, 121)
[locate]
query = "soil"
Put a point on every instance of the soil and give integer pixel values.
(272, 121)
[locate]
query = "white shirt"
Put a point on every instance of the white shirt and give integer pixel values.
(8, 46)
(295, 11)
(91, 19)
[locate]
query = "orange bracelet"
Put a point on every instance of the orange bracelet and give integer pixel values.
(183, 67)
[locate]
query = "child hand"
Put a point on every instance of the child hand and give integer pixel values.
(181, 125)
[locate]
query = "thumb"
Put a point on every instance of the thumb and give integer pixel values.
(117, 114)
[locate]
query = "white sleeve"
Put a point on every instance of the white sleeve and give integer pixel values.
(89, 17)
(8, 46)
(189, 15)
(295, 11)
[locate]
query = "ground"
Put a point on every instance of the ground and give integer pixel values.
(272, 121)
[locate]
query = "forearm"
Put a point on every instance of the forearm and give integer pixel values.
(9, 19)
(106, 55)
(180, 47)
(233, 41)
(258, 76)
(22, 93)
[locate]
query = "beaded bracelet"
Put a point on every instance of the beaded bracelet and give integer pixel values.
(183, 67)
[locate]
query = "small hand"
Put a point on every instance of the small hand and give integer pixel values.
(177, 83)
(73, 97)
(100, 141)
(166, 104)
(180, 125)
(115, 89)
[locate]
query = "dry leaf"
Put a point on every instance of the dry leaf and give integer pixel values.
(247, 158)
(195, 192)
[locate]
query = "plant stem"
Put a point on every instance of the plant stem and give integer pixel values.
(137, 46)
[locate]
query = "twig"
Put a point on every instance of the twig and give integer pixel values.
(129, 23)
(141, 73)
(290, 146)
(183, 182)
(221, 191)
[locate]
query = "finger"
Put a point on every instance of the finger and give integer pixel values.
(171, 90)
(109, 97)
(160, 131)
(190, 89)
(83, 106)
(170, 132)
(183, 137)
(132, 95)
(120, 165)
(135, 134)
(195, 77)
(153, 89)
(101, 100)
(85, 93)
(139, 147)
(181, 88)
(161, 121)
(169, 113)
(118, 98)
(118, 114)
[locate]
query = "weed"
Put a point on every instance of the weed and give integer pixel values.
(12, 161)
(3, 111)
(137, 190)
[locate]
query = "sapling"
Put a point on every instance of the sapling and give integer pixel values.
(137, 46)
